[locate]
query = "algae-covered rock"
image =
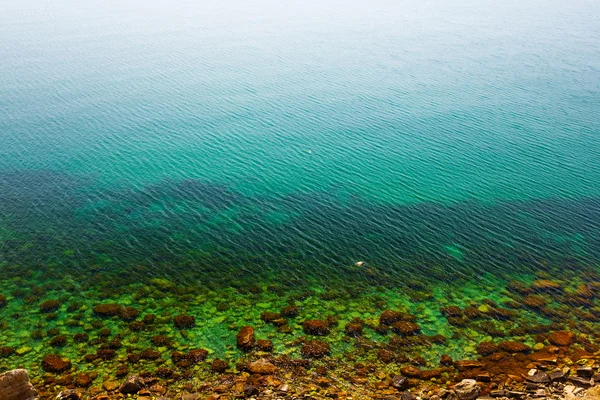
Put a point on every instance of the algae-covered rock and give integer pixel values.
(54, 363)
(561, 338)
(184, 321)
(245, 338)
(316, 327)
(107, 310)
(315, 349)
(132, 385)
(49, 306)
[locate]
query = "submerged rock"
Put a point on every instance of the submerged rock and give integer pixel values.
(315, 349)
(262, 366)
(184, 321)
(405, 328)
(15, 385)
(545, 285)
(245, 338)
(129, 313)
(561, 338)
(219, 365)
(54, 363)
(388, 317)
(512, 346)
(316, 327)
(49, 306)
(107, 310)
(132, 385)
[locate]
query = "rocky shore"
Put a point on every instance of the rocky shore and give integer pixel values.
(264, 379)
(528, 339)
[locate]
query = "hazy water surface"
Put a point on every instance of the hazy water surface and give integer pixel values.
(404, 133)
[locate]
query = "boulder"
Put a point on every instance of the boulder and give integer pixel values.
(561, 338)
(262, 366)
(132, 385)
(316, 327)
(15, 385)
(467, 389)
(314, 349)
(245, 338)
(54, 363)
(184, 321)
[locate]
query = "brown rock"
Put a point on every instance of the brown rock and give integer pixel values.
(561, 338)
(184, 321)
(83, 380)
(49, 306)
(149, 354)
(545, 285)
(430, 374)
(197, 355)
(107, 310)
(410, 371)
(290, 311)
(132, 385)
(486, 348)
(388, 317)
(353, 329)
(512, 346)
(446, 360)
(15, 385)
(268, 316)
(316, 327)
(264, 345)
(534, 301)
(405, 328)
(451, 311)
(262, 366)
(129, 313)
(54, 363)
(110, 386)
(314, 349)
(245, 338)
(219, 365)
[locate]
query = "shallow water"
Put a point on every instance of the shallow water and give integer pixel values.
(250, 153)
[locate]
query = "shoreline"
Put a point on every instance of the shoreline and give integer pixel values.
(273, 342)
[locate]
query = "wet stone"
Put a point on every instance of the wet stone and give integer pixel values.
(467, 389)
(316, 327)
(557, 376)
(219, 365)
(107, 310)
(245, 338)
(408, 396)
(400, 382)
(184, 321)
(579, 381)
(540, 377)
(54, 363)
(49, 306)
(562, 338)
(315, 349)
(132, 385)
(585, 372)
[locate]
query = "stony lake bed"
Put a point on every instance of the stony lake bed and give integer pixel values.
(521, 338)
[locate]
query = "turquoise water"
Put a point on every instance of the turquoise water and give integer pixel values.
(241, 143)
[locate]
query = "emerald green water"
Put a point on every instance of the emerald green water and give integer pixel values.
(220, 147)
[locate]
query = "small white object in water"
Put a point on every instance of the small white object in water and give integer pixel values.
(309, 151)
(360, 263)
